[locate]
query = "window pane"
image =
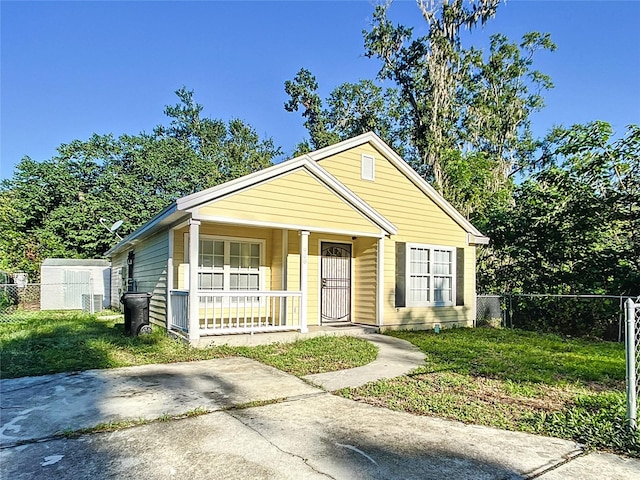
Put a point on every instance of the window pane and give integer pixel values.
(206, 247)
(255, 250)
(419, 261)
(218, 281)
(253, 282)
(206, 260)
(218, 254)
(234, 281)
(205, 281)
(234, 248)
(442, 262)
(442, 289)
(419, 289)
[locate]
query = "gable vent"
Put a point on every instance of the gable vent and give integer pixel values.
(368, 171)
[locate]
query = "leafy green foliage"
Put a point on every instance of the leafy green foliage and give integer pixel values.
(461, 99)
(597, 420)
(572, 226)
(578, 317)
(350, 110)
(53, 208)
(457, 114)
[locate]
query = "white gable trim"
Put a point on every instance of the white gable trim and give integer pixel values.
(192, 202)
(401, 165)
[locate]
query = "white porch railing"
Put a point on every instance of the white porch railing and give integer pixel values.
(245, 311)
(179, 310)
(248, 311)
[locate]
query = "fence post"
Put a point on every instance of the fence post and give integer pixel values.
(630, 314)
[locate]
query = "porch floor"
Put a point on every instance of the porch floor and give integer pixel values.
(344, 329)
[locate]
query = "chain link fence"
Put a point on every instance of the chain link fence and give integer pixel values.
(490, 311)
(632, 324)
(598, 316)
(18, 302)
(607, 317)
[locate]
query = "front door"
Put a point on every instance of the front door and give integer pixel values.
(335, 273)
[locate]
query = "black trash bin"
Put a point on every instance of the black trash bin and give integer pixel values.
(136, 313)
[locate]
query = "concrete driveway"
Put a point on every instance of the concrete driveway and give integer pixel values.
(262, 423)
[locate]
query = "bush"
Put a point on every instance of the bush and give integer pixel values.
(579, 317)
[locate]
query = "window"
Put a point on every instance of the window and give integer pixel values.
(429, 275)
(368, 170)
(229, 265)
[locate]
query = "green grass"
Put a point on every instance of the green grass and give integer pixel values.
(510, 379)
(515, 380)
(521, 356)
(52, 342)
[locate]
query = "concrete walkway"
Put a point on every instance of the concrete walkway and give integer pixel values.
(262, 423)
(395, 357)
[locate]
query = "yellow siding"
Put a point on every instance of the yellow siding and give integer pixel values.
(296, 198)
(418, 219)
(276, 260)
(365, 253)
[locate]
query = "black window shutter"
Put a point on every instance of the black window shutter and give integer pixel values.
(459, 276)
(401, 255)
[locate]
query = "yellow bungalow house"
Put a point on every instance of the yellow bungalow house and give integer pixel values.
(349, 233)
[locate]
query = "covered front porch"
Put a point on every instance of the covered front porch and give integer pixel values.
(265, 279)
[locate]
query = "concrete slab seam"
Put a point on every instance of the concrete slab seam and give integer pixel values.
(277, 447)
(544, 469)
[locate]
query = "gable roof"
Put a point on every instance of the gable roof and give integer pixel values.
(475, 235)
(191, 202)
(182, 207)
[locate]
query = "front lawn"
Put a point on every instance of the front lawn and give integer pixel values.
(515, 380)
(52, 342)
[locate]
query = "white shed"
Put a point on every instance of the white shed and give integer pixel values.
(75, 284)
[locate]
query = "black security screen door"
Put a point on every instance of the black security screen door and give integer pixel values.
(336, 282)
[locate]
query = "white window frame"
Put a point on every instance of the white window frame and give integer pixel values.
(364, 160)
(431, 275)
(226, 269)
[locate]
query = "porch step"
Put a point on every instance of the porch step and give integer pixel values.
(345, 329)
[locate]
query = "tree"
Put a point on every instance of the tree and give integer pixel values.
(350, 110)
(572, 228)
(53, 208)
(458, 100)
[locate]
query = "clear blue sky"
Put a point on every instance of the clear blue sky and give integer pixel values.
(69, 69)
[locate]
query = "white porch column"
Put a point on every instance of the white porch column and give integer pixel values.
(168, 308)
(380, 284)
(304, 279)
(194, 304)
